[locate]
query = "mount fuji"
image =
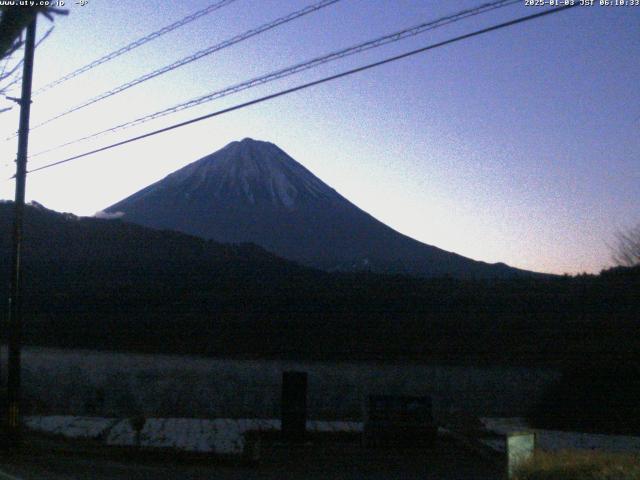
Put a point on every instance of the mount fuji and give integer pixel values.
(252, 191)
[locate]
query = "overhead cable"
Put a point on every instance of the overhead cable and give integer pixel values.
(300, 67)
(14, 69)
(307, 85)
(191, 58)
(135, 44)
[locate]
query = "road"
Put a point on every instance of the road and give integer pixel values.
(337, 461)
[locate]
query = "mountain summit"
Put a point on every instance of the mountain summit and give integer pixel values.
(252, 191)
(252, 173)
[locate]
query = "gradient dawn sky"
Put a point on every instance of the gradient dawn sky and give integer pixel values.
(520, 146)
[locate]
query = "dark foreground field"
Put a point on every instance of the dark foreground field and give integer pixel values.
(325, 460)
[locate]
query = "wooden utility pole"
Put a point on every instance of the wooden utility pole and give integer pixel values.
(13, 413)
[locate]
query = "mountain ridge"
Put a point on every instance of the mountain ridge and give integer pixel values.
(252, 191)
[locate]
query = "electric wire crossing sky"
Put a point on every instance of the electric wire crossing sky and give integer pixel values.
(300, 67)
(301, 87)
(196, 56)
(138, 43)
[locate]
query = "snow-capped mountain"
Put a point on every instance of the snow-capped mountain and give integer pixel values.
(252, 191)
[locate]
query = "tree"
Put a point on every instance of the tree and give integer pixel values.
(626, 251)
(13, 20)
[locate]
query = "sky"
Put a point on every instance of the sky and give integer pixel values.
(518, 146)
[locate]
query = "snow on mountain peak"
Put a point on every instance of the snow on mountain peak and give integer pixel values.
(255, 170)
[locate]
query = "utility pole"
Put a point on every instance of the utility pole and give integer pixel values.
(13, 413)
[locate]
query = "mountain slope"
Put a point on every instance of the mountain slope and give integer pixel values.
(252, 191)
(69, 255)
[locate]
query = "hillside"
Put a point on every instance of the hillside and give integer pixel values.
(108, 284)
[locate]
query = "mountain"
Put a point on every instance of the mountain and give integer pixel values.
(252, 191)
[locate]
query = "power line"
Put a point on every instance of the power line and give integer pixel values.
(307, 85)
(194, 57)
(300, 67)
(137, 43)
(14, 69)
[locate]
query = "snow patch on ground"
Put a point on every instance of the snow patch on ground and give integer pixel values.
(72, 427)
(122, 434)
(222, 436)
